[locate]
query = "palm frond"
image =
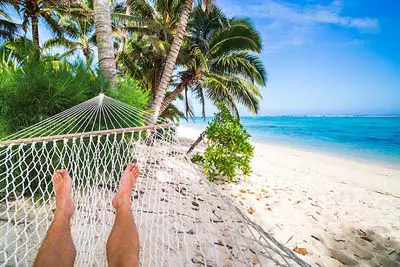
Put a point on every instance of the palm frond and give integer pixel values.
(238, 36)
(60, 42)
(240, 90)
(142, 8)
(198, 93)
(52, 24)
(188, 106)
(69, 53)
(8, 29)
(241, 63)
(173, 113)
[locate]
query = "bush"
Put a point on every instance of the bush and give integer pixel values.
(197, 158)
(38, 89)
(229, 150)
(128, 91)
(35, 90)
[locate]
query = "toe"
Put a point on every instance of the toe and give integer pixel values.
(64, 173)
(136, 172)
(130, 167)
(57, 177)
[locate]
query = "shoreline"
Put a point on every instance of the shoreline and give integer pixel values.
(340, 210)
(193, 132)
(332, 154)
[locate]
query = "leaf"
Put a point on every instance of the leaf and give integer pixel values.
(250, 210)
(302, 251)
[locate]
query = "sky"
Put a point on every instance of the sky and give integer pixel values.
(326, 57)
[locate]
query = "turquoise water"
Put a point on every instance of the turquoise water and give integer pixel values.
(368, 138)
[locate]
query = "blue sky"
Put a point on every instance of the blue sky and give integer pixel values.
(326, 57)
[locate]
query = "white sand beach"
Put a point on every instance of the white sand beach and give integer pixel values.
(343, 212)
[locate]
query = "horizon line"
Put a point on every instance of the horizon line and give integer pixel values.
(332, 116)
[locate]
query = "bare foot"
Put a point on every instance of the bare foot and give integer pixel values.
(128, 180)
(62, 183)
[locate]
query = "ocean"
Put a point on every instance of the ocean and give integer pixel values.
(366, 138)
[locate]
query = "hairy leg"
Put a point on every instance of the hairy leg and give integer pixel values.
(58, 248)
(123, 243)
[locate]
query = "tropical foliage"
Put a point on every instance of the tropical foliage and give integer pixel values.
(161, 51)
(130, 92)
(31, 11)
(34, 90)
(229, 151)
(7, 26)
(79, 35)
(221, 62)
(38, 89)
(151, 29)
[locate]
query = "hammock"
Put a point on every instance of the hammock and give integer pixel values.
(182, 219)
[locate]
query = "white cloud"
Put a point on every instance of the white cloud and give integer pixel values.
(286, 24)
(308, 14)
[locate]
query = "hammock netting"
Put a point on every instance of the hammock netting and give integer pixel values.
(182, 219)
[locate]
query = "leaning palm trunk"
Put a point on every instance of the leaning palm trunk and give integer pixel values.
(171, 97)
(198, 140)
(102, 18)
(160, 92)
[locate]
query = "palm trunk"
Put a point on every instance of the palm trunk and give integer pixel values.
(174, 95)
(171, 60)
(198, 140)
(105, 45)
(156, 78)
(35, 34)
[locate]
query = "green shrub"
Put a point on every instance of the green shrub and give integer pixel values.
(34, 90)
(197, 158)
(128, 91)
(38, 89)
(229, 150)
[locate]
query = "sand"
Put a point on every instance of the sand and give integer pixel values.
(340, 210)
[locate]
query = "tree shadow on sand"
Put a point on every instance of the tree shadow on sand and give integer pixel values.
(360, 247)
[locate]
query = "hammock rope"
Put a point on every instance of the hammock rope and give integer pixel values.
(182, 219)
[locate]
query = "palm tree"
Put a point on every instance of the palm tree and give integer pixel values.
(171, 60)
(150, 28)
(222, 63)
(105, 44)
(32, 11)
(78, 35)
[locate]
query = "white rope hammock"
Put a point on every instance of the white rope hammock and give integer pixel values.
(182, 219)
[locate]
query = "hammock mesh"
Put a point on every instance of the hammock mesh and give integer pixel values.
(182, 219)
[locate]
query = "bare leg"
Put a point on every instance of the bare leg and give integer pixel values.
(123, 243)
(58, 248)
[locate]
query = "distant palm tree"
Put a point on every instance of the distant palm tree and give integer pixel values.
(32, 11)
(222, 62)
(79, 34)
(104, 40)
